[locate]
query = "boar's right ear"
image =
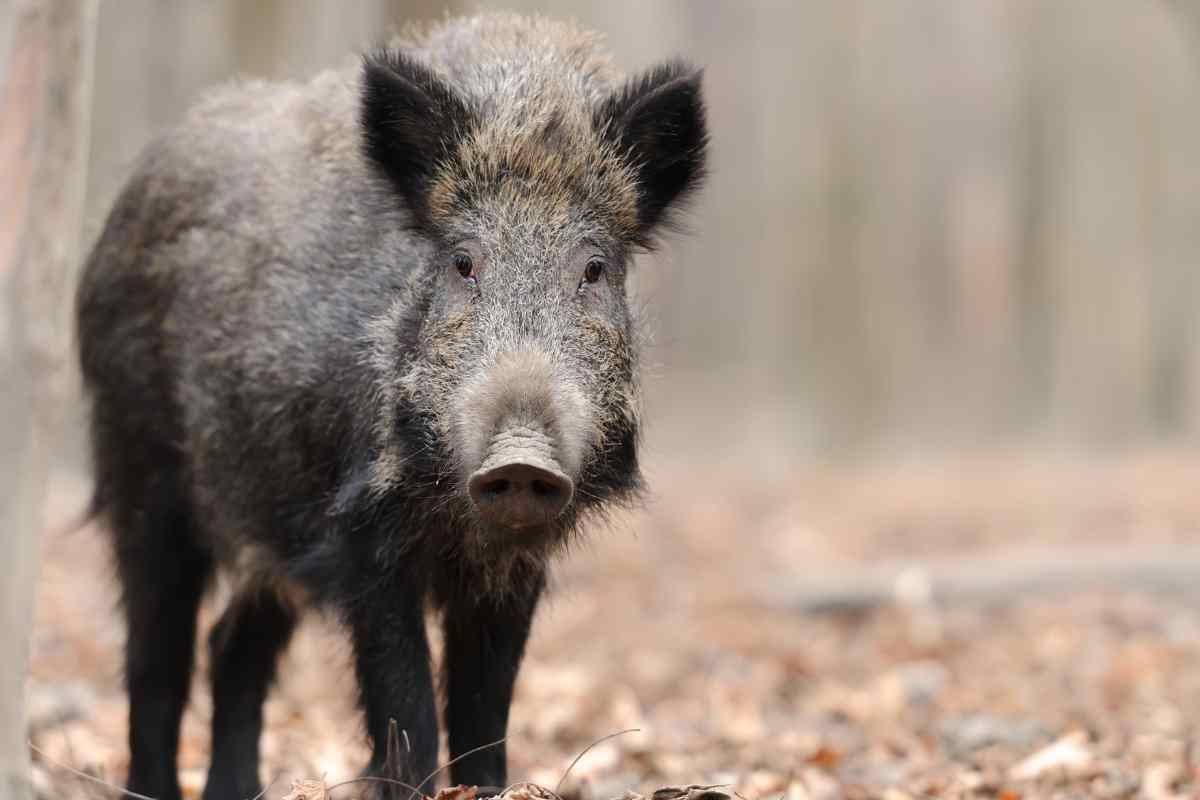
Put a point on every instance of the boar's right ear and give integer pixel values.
(658, 121)
(411, 120)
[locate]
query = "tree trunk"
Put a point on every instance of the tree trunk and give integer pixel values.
(45, 66)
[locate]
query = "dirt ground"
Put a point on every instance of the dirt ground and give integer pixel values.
(1003, 628)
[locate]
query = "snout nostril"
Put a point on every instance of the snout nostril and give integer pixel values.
(520, 494)
(496, 487)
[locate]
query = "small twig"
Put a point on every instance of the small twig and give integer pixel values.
(266, 789)
(391, 749)
(377, 779)
(84, 775)
(558, 785)
(458, 758)
(66, 734)
(996, 580)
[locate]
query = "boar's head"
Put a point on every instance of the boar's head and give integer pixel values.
(532, 181)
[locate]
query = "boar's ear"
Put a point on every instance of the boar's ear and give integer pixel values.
(411, 120)
(658, 121)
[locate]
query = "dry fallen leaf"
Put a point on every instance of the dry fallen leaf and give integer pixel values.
(825, 757)
(820, 785)
(308, 790)
(527, 791)
(459, 792)
(797, 791)
(1070, 754)
(690, 792)
(1159, 781)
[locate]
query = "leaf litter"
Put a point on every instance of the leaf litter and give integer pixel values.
(678, 632)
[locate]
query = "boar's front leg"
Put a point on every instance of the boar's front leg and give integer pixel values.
(244, 647)
(391, 652)
(485, 639)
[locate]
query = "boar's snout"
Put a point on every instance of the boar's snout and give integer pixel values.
(521, 434)
(520, 486)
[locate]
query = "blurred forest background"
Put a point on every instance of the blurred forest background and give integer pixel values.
(923, 404)
(930, 224)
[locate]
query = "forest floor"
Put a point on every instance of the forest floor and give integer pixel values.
(1000, 628)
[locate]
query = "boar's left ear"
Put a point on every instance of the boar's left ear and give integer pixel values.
(658, 121)
(411, 119)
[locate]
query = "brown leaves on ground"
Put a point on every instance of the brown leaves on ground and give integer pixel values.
(308, 790)
(678, 632)
(456, 793)
(319, 790)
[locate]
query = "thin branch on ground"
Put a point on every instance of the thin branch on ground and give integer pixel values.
(458, 758)
(81, 774)
(266, 789)
(585, 750)
(378, 779)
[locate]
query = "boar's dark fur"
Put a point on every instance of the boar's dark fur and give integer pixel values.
(317, 315)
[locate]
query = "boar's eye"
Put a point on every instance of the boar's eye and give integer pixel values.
(464, 265)
(593, 270)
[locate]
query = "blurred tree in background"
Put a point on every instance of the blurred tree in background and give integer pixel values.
(930, 224)
(45, 60)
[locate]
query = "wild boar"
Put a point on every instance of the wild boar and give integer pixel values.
(365, 341)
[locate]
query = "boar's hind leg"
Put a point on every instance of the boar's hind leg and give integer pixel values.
(391, 652)
(163, 575)
(485, 640)
(244, 647)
